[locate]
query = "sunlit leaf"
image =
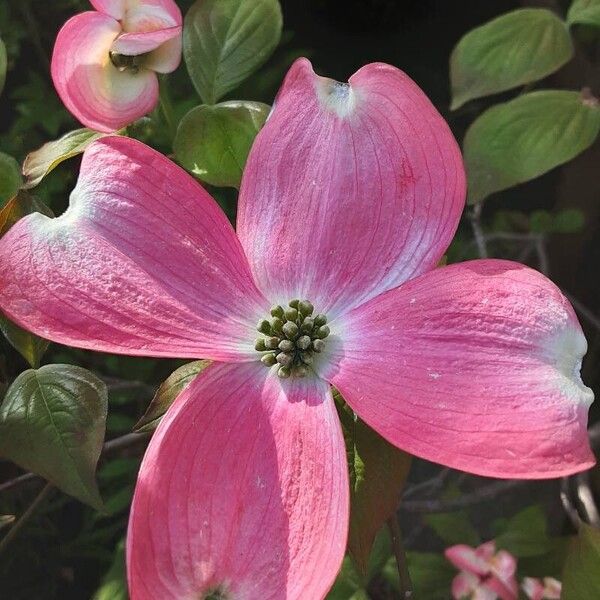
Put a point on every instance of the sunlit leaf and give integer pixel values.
(516, 48)
(169, 389)
(584, 12)
(581, 572)
(519, 140)
(40, 162)
(52, 422)
(225, 41)
(213, 142)
(10, 178)
(378, 472)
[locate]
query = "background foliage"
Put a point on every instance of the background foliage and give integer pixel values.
(519, 110)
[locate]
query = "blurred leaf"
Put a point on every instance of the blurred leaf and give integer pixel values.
(378, 472)
(10, 178)
(118, 501)
(519, 140)
(3, 64)
(114, 583)
(540, 221)
(570, 220)
(348, 584)
(431, 575)
(581, 574)
(118, 468)
(454, 528)
(40, 162)
(525, 534)
(213, 142)
(516, 48)
(119, 423)
(28, 345)
(52, 422)
(169, 389)
(225, 41)
(19, 206)
(6, 520)
(584, 12)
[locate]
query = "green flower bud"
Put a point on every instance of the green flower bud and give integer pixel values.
(320, 319)
(294, 303)
(260, 345)
(271, 343)
(291, 314)
(318, 345)
(286, 346)
(323, 332)
(307, 325)
(305, 307)
(290, 329)
(277, 311)
(303, 342)
(276, 325)
(264, 326)
(284, 372)
(285, 359)
(268, 359)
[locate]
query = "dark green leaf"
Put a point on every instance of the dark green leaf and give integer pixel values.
(213, 142)
(525, 534)
(10, 178)
(570, 220)
(18, 207)
(52, 422)
(39, 163)
(516, 48)
(519, 140)
(378, 472)
(114, 583)
(169, 389)
(3, 64)
(584, 12)
(454, 528)
(581, 574)
(348, 584)
(225, 41)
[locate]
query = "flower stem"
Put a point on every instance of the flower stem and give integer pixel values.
(406, 591)
(166, 108)
(16, 528)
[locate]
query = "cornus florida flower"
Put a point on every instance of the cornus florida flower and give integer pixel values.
(548, 589)
(351, 194)
(484, 573)
(105, 61)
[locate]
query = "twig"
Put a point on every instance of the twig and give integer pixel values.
(565, 498)
(119, 443)
(406, 589)
(430, 485)
(585, 499)
(475, 218)
(14, 530)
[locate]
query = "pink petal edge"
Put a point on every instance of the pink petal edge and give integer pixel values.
(244, 488)
(143, 262)
(475, 366)
(356, 186)
(134, 44)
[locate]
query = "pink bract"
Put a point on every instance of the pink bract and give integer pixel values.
(536, 589)
(484, 573)
(104, 63)
(351, 195)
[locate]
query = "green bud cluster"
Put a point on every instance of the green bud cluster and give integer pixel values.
(292, 336)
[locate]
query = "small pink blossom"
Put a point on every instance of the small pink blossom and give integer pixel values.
(484, 573)
(105, 62)
(350, 197)
(536, 589)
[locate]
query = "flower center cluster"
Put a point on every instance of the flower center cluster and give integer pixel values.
(124, 62)
(291, 338)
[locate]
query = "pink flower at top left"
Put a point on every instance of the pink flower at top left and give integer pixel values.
(105, 61)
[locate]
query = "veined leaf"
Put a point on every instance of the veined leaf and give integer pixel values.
(225, 41)
(516, 48)
(10, 178)
(522, 139)
(584, 12)
(52, 422)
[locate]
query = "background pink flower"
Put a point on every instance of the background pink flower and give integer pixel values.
(105, 62)
(351, 194)
(484, 573)
(536, 589)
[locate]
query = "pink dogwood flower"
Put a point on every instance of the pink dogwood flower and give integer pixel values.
(351, 194)
(484, 573)
(548, 589)
(105, 62)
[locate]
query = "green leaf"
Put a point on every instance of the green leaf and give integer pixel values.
(30, 346)
(52, 422)
(569, 220)
(169, 389)
(584, 12)
(516, 48)
(378, 472)
(225, 41)
(213, 142)
(454, 528)
(519, 140)
(39, 163)
(10, 178)
(525, 534)
(114, 583)
(581, 572)
(3, 65)
(348, 584)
